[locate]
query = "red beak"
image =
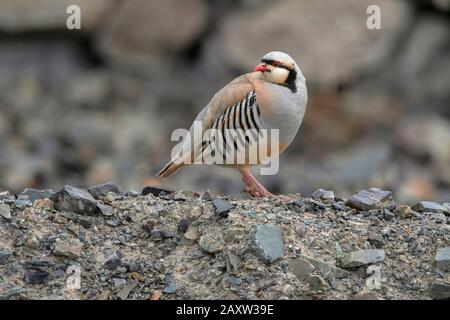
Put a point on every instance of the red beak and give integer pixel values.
(262, 67)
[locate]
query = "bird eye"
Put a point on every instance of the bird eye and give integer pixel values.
(276, 64)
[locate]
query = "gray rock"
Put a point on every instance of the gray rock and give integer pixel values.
(327, 270)
(156, 191)
(105, 209)
(440, 291)
(316, 282)
(267, 243)
(375, 239)
(428, 206)
(5, 195)
(5, 211)
(301, 229)
(183, 225)
(119, 282)
(301, 268)
(126, 290)
(4, 256)
(361, 258)
(235, 281)
(233, 263)
(210, 245)
(34, 274)
(113, 261)
(102, 190)
(222, 207)
(171, 288)
(404, 212)
(322, 194)
(65, 249)
(34, 194)
(77, 200)
(373, 198)
(20, 204)
(442, 259)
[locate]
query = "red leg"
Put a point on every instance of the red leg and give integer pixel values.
(253, 187)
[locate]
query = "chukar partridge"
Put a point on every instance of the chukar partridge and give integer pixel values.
(274, 96)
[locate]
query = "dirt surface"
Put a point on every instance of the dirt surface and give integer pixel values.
(185, 246)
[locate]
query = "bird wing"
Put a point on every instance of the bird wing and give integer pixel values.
(233, 97)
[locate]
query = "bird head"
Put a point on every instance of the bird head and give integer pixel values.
(278, 67)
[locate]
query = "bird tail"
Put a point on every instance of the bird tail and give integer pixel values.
(169, 169)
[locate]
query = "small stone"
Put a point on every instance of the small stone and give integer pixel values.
(119, 282)
(171, 288)
(338, 249)
(191, 233)
(132, 194)
(126, 290)
(361, 258)
(439, 291)
(35, 274)
(105, 210)
(5, 211)
(4, 256)
(301, 229)
(21, 204)
(387, 215)
(221, 208)
(267, 243)
(5, 195)
(442, 259)
(233, 263)
(156, 295)
(76, 200)
(301, 268)
(206, 196)
(316, 282)
(375, 239)
(156, 191)
(328, 271)
(102, 190)
(404, 212)
(370, 199)
(43, 204)
(322, 194)
(68, 250)
(34, 194)
(428, 206)
(183, 225)
(235, 281)
(209, 245)
(113, 261)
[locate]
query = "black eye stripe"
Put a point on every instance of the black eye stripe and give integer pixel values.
(270, 62)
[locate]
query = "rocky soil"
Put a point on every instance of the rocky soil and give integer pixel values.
(160, 244)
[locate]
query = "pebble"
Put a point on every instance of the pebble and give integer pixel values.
(321, 194)
(119, 282)
(5, 195)
(35, 274)
(375, 239)
(210, 246)
(113, 261)
(43, 204)
(221, 208)
(156, 191)
(206, 196)
(387, 215)
(442, 259)
(76, 200)
(20, 204)
(361, 258)
(103, 189)
(301, 229)
(373, 198)
(233, 263)
(126, 290)
(267, 243)
(183, 225)
(169, 289)
(5, 211)
(4, 257)
(301, 268)
(328, 271)
(316, 282)
(433, 207)
(65, 249)
(34, 194)
(404, 212)
(439, 291)
(235, 281)
(191, 233)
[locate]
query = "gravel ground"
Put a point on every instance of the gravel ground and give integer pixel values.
(181, 245)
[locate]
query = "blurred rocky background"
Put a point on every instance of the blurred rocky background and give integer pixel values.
(86, 106)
